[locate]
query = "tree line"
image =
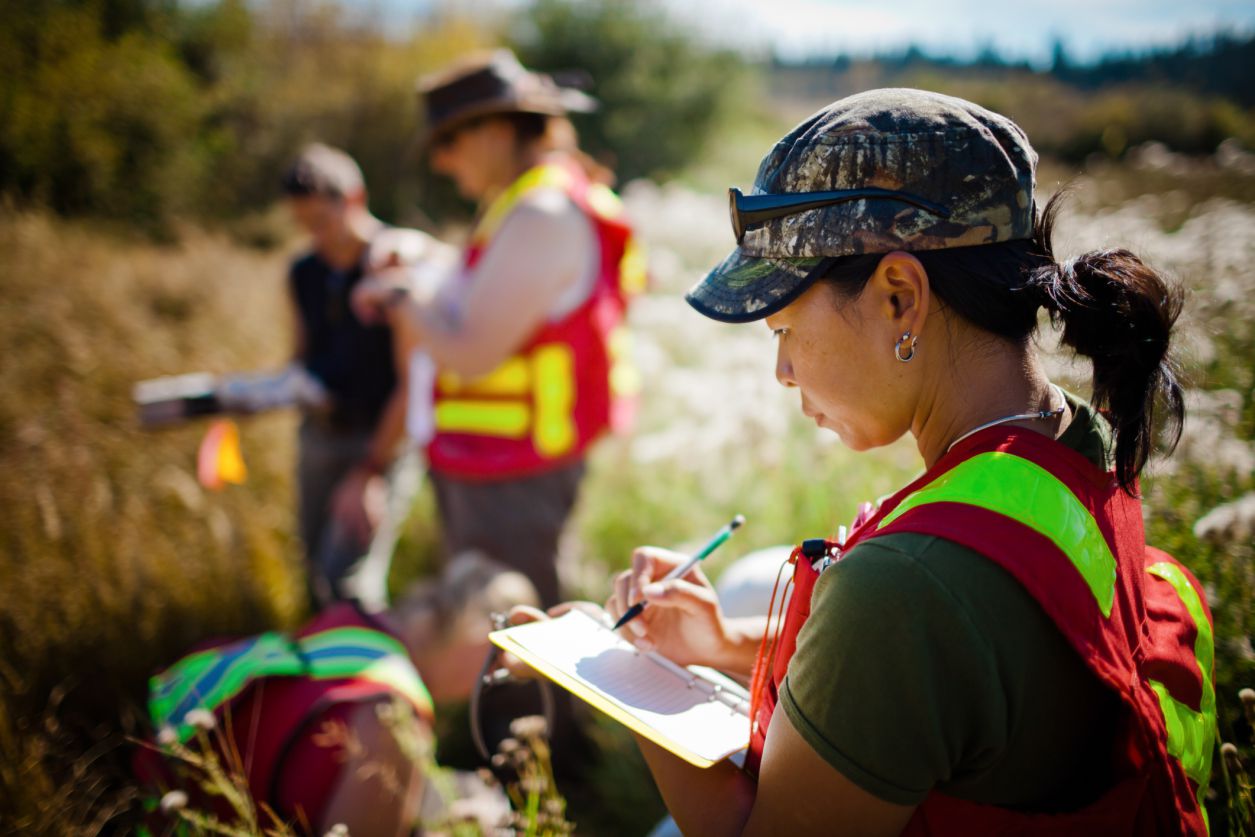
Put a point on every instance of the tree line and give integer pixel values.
(148, 110)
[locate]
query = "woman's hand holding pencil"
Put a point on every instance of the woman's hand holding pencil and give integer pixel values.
(683, 620)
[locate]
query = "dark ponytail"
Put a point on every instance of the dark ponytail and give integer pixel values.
(1114, 309)
(1118, 312)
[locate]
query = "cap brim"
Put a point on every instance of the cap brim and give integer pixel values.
(746, 288)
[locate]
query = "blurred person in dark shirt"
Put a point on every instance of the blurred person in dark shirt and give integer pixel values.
(352, 491)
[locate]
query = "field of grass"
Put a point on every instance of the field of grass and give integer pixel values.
(114, 559)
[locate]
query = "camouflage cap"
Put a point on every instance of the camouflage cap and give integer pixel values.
(940, 149)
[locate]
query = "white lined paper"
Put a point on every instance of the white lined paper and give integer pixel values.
(704, 713)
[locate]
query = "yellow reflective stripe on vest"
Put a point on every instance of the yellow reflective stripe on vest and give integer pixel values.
(1026, 492)
(511, 377)
(544, 176)
(545, 409)
(625, 380)
(602, 200)
(1191, 735)
(507, 419)
(554, 433)
(633, 268)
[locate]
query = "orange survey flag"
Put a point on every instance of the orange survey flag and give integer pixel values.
(219, 460)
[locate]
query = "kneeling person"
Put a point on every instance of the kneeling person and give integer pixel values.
(299, 714)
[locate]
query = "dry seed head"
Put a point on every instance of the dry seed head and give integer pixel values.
(173, 801)
(167, 737)
(202, 719)
(338, 830)
(529, 726)
(499, 761)
(1247, 696)
(1229, 752)
(508, 746)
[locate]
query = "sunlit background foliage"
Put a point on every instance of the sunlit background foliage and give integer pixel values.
(140, 144)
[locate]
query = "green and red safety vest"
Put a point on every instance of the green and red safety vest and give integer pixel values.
(1066, 531)
(268, 694)
(572, 380)
(212, 678)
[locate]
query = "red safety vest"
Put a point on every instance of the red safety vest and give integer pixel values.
(1066, 531)
(571, 381)
(269, 690)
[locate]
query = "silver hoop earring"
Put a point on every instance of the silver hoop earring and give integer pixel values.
(897, 347)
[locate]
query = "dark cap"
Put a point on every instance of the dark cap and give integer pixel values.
(963, 176)
(493, 84)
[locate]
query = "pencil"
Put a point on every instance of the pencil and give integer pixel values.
(714, 543)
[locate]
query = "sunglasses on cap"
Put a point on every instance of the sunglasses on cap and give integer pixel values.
(755, 209)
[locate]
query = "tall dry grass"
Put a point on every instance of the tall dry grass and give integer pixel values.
(114, 558)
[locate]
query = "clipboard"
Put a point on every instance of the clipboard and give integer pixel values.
(694, 712)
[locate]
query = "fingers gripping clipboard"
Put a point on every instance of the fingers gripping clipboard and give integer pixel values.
(694, 712)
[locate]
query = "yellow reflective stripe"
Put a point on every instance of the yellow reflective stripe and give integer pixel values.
(365, 654)
(1191, 735)
(1204, 642)
(544, 176)
(549, 379)
(633, 268)
(554, 367)
(625, 380)
(512, 377)
(1026, 492)
(604, 201)
(484, 418)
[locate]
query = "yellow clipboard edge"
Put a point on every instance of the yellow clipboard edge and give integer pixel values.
(504, 641)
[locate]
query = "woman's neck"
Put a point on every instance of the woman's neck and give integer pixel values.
(523, 161)
(997, 386)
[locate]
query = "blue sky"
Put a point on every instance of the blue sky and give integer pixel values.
(961, 28)
(1024, 29)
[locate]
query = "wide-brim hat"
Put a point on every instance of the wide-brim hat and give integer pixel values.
(884, 170)
(495, 83)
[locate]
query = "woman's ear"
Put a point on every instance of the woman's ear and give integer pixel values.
(901, 292)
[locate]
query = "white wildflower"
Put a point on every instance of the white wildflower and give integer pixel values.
(173, 801)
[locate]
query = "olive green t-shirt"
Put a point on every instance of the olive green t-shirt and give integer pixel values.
(926, 665)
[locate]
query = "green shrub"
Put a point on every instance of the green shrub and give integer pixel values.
(662, 92)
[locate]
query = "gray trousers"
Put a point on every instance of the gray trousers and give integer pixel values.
(338, 566)
(517, 522)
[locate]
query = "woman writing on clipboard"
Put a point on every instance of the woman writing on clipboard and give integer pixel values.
(994, 649)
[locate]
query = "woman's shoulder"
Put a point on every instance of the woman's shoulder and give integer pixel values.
(907, 561)
(1089, 433)
(942, 588)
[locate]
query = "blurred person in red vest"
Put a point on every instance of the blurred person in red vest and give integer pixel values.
(994, 648)
(304, 716)
(351, 495)
(527, 338)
